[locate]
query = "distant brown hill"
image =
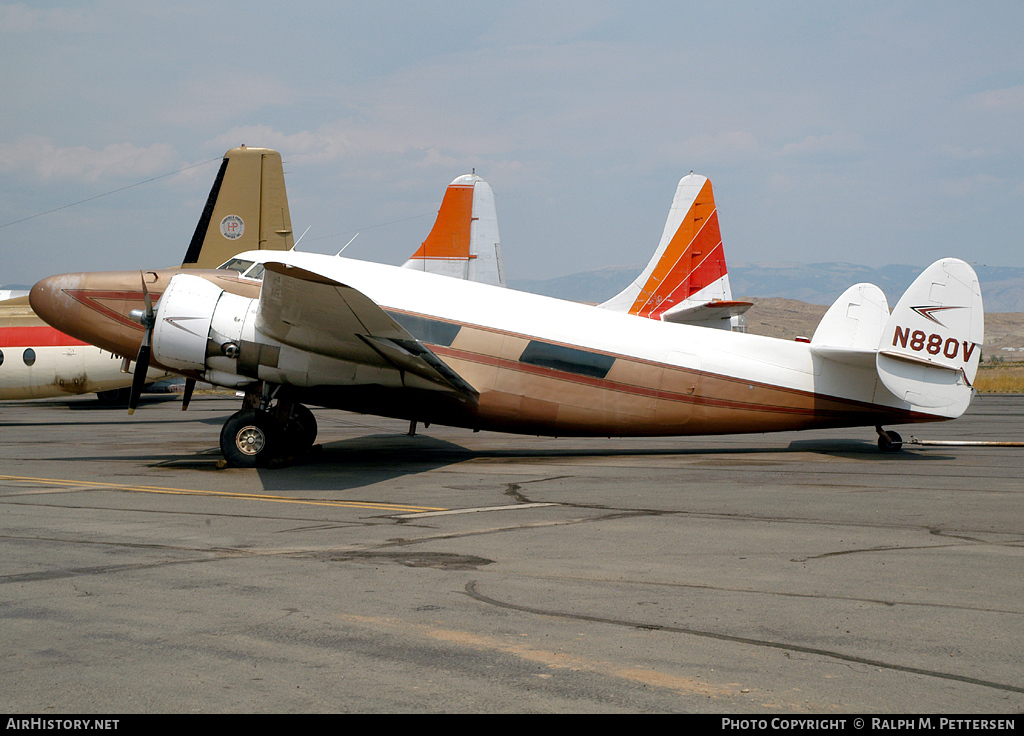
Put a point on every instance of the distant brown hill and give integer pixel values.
(788, 319)
(1002, 287)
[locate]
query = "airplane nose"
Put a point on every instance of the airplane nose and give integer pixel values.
(51, 301)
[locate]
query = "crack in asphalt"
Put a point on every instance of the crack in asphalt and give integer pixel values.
(472, 592)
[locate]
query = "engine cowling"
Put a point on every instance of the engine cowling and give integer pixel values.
(199, 327)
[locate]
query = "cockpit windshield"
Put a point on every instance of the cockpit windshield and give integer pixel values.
(245, 268)
(236, 264)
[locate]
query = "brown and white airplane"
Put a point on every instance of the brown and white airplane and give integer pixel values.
(401, 342)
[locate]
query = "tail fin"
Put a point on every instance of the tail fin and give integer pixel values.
(931, 345)
(464, 241)
(686, 279)
(247, 209)
(852, 328)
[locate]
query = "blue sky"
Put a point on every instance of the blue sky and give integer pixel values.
(872, 133)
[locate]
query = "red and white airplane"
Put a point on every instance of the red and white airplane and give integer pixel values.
(248, 208)
(402, 342)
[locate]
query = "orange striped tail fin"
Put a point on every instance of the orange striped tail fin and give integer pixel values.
(464, 241)
(686, 279)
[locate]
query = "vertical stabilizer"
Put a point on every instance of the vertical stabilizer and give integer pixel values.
(686, 279)
(931, 344)
(247, 209)
(464, 241)
(852, 328)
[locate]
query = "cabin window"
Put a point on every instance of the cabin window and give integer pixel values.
(570, 360)
(1, 357)
(29, 356)
(430, 331)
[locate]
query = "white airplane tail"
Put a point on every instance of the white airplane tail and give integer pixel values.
(931, 344)
(464, 241)
(852, 328)
(247, 210)
(686, 279)
(926, 352)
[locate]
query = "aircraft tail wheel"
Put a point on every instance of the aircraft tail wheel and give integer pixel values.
(890, 441)
(249, 439)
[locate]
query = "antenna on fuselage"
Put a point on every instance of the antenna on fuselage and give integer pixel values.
(300, 237)
(346, 245)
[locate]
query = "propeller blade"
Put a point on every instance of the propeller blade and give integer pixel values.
(190, 386)
(139, 379)
(142, 361)
(145, 295)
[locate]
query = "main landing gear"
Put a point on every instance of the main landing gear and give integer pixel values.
(267, 428)
(889, 441)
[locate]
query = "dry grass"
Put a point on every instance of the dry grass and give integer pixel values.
(1000, 379)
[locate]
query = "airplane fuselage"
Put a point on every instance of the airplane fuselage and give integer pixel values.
(38, 361)
(538, 365)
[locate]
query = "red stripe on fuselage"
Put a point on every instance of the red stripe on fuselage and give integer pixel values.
(35, 337)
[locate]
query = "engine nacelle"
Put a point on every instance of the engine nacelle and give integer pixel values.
(198, 322)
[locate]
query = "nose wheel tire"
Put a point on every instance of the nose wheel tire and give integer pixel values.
(249, 439)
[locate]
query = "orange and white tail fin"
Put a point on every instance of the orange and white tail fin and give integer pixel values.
(686, 279)
(247, 209)
(464, 241)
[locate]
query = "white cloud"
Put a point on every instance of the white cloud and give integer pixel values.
(830, 143)
(965, 186)
(42, 157)
(1010, 100)
(20, 18)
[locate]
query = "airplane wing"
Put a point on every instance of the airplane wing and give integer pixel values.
(311, 312)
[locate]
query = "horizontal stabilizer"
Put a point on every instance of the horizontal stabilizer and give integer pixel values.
(852, 327)
(464, 242)
(931, 343)
(705, 314)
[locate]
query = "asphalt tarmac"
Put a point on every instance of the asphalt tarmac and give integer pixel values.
(461, 572)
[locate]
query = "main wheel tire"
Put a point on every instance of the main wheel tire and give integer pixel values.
(249, 439)
(114, 397)
(302, 428)
(893, 444)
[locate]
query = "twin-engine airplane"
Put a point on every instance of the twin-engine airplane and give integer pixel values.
(248, 207)
(406, 343)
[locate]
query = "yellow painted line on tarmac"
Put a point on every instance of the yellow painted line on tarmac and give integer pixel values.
(373, 506)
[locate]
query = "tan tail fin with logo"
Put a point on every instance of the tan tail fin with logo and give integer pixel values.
(247, 209)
